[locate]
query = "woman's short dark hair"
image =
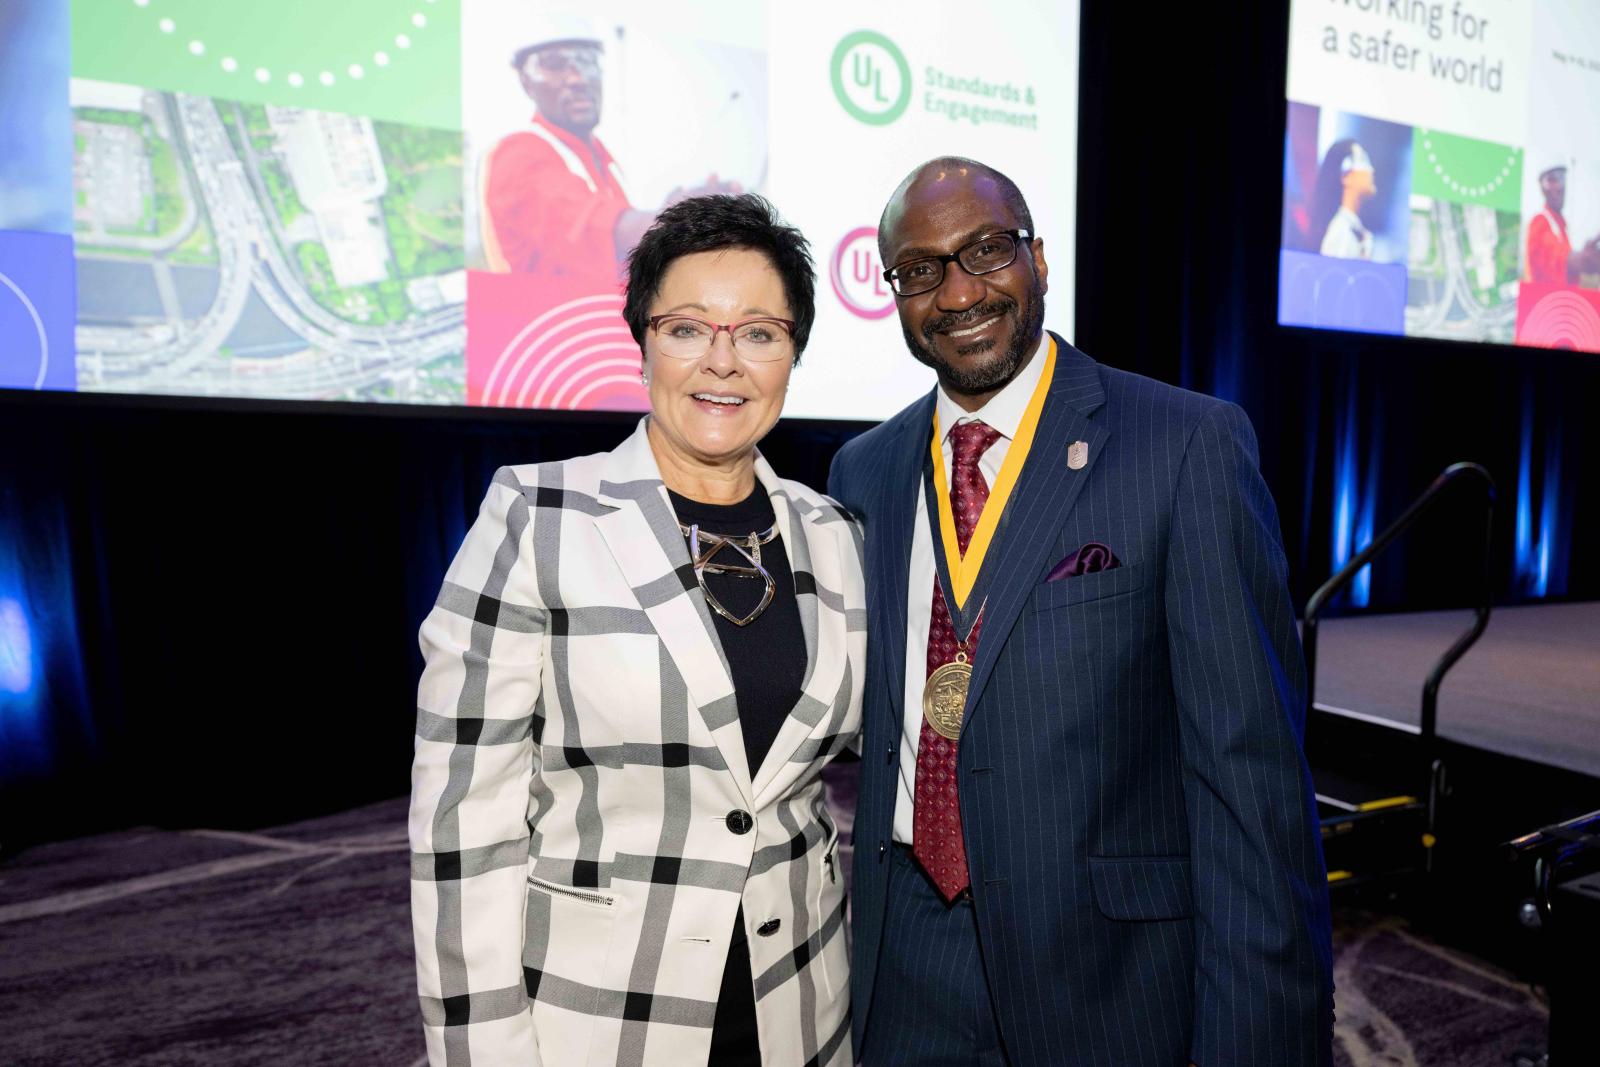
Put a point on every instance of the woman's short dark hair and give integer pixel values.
(711, 224)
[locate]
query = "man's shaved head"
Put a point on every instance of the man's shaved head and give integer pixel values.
(951, 169)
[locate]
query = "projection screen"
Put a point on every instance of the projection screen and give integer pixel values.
(365, 201)
(1442, 170)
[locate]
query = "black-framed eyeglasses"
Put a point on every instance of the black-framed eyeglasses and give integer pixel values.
(989, 253)
(759, 340)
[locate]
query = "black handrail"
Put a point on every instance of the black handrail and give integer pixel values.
(1562, 838)
(1551, 847)
(1430, 689)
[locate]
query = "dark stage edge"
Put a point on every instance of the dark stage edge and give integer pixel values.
(293, 946)
(1529, 688)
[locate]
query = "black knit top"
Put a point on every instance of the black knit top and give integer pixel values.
(767, 657)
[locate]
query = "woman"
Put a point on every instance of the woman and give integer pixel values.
(1345, 182)
(638, 664)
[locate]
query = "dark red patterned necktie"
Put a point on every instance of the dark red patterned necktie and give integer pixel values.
(936, 811)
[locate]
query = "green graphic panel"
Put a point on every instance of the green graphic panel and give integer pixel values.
(1461, 170)
(398, 60)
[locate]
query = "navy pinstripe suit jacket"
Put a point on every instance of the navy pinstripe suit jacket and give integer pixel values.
(1139, 820)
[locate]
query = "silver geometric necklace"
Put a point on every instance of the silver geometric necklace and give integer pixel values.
(704, 545)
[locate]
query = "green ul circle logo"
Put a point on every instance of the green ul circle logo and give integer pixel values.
(871, 77)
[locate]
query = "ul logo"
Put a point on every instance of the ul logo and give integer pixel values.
(871, 78)
(857, 275)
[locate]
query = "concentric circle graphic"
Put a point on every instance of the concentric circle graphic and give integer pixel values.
(7, 285)
(1562, 319)
(576, 356)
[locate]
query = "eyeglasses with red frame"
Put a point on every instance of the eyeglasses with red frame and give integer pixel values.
(759, 340)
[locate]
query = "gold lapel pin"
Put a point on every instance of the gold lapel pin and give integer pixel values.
(1078, 455)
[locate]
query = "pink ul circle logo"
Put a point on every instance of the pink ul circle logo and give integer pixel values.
(857, 275)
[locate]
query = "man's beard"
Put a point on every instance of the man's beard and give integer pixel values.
(991, 376)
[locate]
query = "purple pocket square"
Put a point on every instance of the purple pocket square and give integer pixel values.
(1092, 557)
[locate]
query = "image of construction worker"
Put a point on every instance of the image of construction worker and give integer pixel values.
(553, 200)
(1551, 259)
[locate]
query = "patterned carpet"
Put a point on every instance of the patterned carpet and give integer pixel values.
(293, 946)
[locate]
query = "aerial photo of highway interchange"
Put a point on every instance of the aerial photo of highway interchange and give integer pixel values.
(1462, 269)
(232, 249)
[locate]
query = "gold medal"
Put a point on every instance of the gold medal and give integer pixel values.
(944, 698)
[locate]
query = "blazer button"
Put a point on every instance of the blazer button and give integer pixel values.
(740, 822)
(770, 927)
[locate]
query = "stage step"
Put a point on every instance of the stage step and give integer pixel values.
(1377, 839)
(1371, 828)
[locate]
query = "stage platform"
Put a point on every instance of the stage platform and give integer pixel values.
(1529, 688)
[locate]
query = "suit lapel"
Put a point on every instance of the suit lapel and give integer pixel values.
(643, 537)
(1044, 495)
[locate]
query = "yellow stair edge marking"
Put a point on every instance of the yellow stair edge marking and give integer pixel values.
(1386, 802)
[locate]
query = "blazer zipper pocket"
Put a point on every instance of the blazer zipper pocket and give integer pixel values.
(828, 862)
(599, 899)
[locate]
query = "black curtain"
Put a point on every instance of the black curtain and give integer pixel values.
(222, 599)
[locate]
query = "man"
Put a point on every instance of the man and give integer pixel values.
(553, 201)
(1550, 256)
(1086, 831)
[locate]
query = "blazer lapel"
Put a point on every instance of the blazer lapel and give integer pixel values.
(643, 537)
(1044, 494)
(816, 550)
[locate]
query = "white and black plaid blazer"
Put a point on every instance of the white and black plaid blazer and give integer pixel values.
(580, 784)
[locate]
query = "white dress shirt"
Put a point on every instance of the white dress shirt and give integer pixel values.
(1003, 412)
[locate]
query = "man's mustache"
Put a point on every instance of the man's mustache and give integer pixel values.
(946, 323)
